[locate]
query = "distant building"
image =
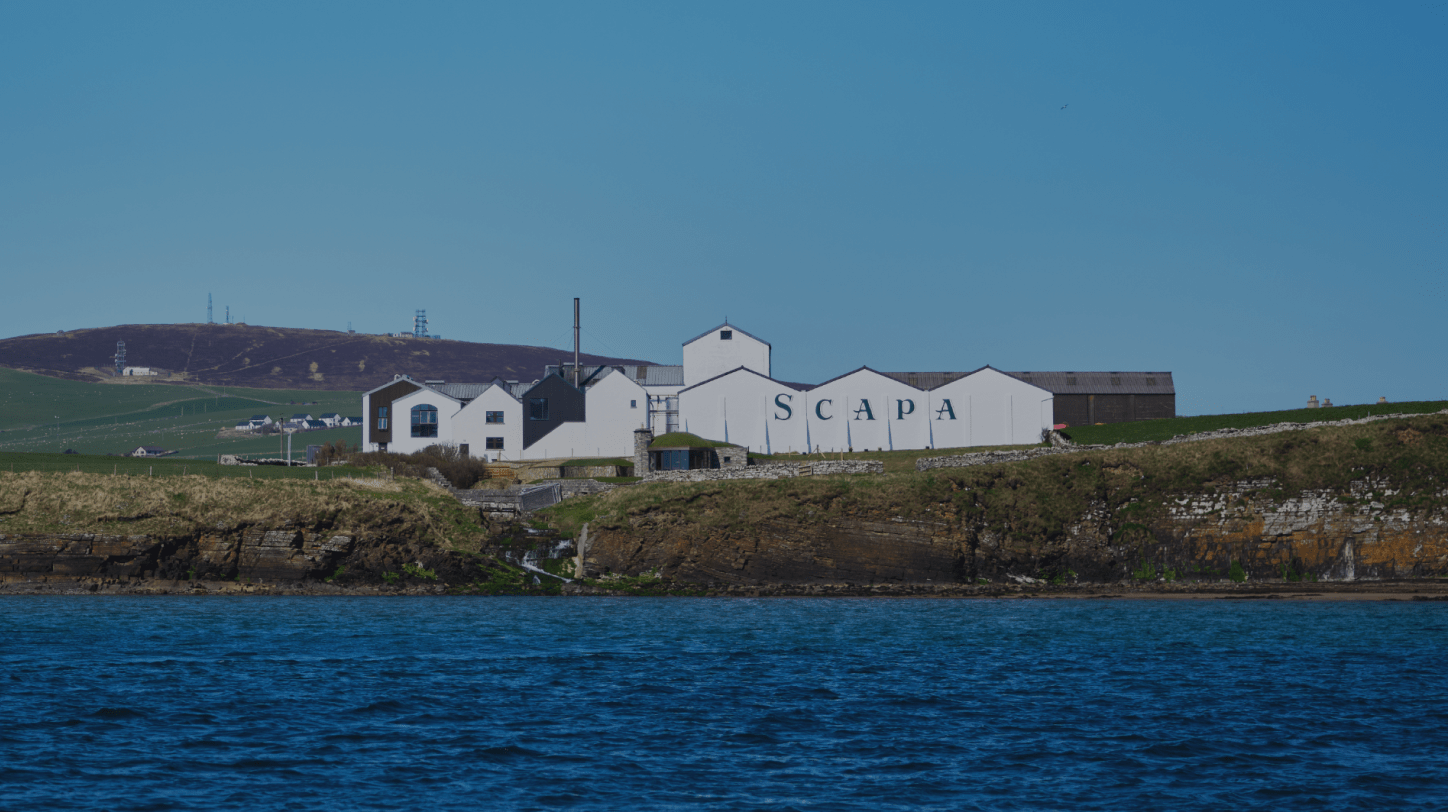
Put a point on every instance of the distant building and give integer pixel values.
(149, 451)
(138, 371)
(332, 419)
(724, 391)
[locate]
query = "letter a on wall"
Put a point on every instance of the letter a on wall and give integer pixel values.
(864, 409)
(944, 410)
(779, 400)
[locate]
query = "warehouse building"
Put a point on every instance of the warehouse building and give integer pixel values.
(724, 391)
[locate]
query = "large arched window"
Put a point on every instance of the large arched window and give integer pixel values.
(424, 420)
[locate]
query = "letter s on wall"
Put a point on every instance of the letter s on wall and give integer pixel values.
(788, 412)
(819, 404)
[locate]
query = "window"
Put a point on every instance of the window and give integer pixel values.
(424, 420)
(633, 404)
(493, 417)
(537, 408)
(494, 444)
(464, 450)
(726, 335)
(382, 418)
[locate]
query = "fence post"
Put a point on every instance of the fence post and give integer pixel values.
(150, 470)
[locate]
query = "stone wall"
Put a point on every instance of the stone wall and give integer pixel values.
(588, 471)
(773, 470)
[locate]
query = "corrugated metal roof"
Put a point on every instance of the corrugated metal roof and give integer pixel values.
(925, 380)
(653, 374)
(460, 391)
(1100, 383)
(1060, 383)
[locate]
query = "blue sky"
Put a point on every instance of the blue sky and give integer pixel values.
(1249, 195)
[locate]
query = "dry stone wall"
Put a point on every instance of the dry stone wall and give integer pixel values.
(774, 470)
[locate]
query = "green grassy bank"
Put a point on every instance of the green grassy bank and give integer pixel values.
(43, 414)
(1144, 431)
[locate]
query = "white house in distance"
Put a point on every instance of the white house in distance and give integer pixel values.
(724, 390)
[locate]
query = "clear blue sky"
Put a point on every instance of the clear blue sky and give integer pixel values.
(1249, 195)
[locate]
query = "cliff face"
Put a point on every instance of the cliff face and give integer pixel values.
(1341, 504)
(1316, 535)
(285, 556)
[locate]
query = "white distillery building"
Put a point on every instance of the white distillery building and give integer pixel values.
(722, 391)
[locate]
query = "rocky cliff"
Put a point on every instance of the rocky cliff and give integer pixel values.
(1331, 504)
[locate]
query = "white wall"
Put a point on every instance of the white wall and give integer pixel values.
(709, 355)
(989, 407)
(400, 416)
(615, 406)
(470, 425)
(867, 410)
(747, 409)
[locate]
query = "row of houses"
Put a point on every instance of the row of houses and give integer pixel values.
(299, 422)
(723, 390)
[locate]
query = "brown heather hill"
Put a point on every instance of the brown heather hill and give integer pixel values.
(275, 357)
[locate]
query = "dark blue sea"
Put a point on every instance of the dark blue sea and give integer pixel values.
(773, 704)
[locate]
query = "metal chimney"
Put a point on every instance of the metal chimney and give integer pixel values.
(575, 341)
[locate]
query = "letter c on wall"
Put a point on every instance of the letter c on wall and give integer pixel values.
(779, 400)
(819, 404)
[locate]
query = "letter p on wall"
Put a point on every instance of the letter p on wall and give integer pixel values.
(901, 410)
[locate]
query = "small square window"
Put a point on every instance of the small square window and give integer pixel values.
(382, 411)
(633, 404)
(494, 443)
(493, 417)
(382, 424)
(726, 335)
(538, 408)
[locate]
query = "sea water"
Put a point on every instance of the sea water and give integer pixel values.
(619, 703)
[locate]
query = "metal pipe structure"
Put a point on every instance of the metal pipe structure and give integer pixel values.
(575, 341)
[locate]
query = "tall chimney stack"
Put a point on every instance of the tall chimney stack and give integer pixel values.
(575, 341)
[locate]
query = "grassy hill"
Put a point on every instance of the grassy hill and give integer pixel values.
(274, 357)
(44, 414)
(1144, 431)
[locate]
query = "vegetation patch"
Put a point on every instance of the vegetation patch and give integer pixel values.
(1145, 431)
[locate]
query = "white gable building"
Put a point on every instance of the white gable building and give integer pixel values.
(722, 391)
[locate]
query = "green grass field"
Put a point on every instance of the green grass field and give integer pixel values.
(44, 414)
(1145, 431)
(20, 462)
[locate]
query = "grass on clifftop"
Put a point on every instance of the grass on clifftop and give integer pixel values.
(1042, 497)
(1143, 431)
(191, 505)
(676, 439)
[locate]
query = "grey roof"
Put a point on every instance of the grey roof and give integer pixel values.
(731, 327)
(330, 414)
(1059, 383)
(653, 374)
(800, 387)
(460, 391)
(259, 417)
(315, 424)
(926, 380)
(1100, 383)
